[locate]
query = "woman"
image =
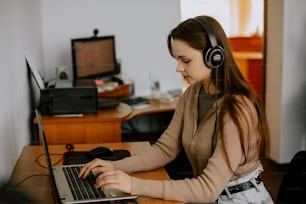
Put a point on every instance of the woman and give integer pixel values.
(219, 122)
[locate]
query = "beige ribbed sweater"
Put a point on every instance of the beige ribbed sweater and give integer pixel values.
(211, 171)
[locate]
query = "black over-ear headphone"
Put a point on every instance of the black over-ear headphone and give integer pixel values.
(214, 55)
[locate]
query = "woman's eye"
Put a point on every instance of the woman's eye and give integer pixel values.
(186, 61)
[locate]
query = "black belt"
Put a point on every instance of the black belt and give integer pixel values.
(241, 187)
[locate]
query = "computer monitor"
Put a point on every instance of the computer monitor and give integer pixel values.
(94, 57)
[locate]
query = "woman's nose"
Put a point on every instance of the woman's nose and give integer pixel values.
(179, 68)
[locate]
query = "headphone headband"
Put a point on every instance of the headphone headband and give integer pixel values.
(207, 29)
(214, 56)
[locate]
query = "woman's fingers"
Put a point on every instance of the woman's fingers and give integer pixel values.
(107, 178)
(114, 179)
(96, 166)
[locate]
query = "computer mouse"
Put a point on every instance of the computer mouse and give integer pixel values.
(69, 146)
(99, 152)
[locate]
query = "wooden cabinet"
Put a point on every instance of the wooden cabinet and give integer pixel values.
(105, 126)
(83, 132)
(251, 65)
(248, 54)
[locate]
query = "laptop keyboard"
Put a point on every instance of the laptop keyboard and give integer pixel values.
(82, 188)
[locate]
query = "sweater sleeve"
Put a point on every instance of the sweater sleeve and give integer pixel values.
(160, 153)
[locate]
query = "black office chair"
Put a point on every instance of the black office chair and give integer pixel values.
(293, 185)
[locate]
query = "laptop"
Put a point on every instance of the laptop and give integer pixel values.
(35, 73)
(69, 188)
(58, 83)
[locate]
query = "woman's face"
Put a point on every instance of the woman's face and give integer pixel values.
(190, 63)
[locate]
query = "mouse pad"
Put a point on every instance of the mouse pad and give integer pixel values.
(73, 157)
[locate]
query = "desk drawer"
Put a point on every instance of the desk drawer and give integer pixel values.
(78, 133)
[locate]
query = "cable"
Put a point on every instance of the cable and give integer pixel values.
(38, 162)
(216, 101)
(57, 162)
(216, 94)
(28, 177)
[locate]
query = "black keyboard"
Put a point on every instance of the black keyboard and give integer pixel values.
(82, 189)
(135, 100)
(108, 103)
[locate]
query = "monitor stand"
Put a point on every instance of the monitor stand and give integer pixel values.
(117, 79)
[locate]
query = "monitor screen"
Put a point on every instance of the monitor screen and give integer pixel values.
(94, 57)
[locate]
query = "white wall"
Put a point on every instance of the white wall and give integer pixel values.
(140, 28)
(286, 77)
(20, 32)
(219, 9)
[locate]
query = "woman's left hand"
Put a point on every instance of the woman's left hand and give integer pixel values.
(114, 179)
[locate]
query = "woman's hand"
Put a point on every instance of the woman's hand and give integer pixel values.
(107, 177)
(96, 166)
(114, 179)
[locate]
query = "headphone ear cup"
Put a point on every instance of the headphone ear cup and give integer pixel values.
(214, 57)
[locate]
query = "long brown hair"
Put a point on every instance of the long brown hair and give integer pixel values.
(230, 80)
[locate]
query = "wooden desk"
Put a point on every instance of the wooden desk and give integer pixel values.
(105, 126)
(38, 186)
(155, 106)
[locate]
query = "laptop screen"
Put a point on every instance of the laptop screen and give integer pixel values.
(79, 187)
(45, 147)
(34, 71)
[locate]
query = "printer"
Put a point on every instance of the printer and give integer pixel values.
(69, 97)
(65, 96)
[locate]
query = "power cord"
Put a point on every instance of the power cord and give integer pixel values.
(41, 165)
(28, 177)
